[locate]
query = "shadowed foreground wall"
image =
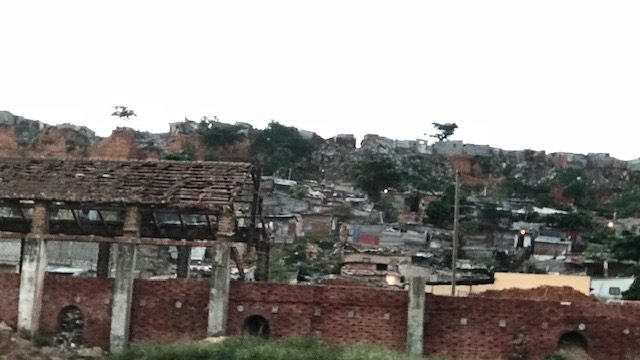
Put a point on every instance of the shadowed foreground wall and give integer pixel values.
(478, 327)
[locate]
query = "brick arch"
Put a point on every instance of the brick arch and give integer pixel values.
(573, 339)
(71, 325)
(256, 325)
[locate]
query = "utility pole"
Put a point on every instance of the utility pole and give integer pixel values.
(454, 253)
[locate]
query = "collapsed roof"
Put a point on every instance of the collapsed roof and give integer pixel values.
(168, 184)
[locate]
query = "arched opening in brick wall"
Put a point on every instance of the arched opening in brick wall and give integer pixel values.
(70, 327)
(572, 341)
(256, 325)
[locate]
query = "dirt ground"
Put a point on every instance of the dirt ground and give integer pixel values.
(542, 293)
(16, 347)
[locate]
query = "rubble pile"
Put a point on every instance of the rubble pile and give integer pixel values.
(541, 293)
(16, 347)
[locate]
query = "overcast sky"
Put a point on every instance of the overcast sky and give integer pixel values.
(553, 75)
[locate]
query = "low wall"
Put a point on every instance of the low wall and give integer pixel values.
(470, 327)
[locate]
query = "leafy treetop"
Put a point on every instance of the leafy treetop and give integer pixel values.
(445, 130)
(123, 112)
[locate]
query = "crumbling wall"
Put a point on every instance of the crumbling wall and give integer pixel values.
(122, 144)
(91, 295)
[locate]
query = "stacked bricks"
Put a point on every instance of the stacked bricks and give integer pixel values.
(335, 314)
(487, 328)
(169, 310)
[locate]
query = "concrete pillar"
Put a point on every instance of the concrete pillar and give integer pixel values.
(125, 263)
(219, 293)
(104, 254)
(33, 270)
(184, 260)
(415, 315)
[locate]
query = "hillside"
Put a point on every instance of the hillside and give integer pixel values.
(562, 180)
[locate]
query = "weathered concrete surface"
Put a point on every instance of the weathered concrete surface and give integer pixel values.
(125, 263)
(219, 293)
(33, 269)
(415, 315)
(122, 296)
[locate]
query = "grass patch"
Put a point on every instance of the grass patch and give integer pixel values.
(257, 349)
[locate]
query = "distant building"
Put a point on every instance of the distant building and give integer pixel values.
(610, 288)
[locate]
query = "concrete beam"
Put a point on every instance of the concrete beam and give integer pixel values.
(415, 315)
(219, 291)
(33, 270)
(125, 263)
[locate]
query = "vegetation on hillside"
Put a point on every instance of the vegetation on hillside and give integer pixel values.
(280, 148)
(376, 172)
(187, 152)
(214, 134)
(308, 257)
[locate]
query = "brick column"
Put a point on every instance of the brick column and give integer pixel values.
(219, 292)
(33, 270)
(184, 260)
(415, 315)
(104, 254)
(125, 263)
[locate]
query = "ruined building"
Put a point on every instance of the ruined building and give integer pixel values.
(125, 206)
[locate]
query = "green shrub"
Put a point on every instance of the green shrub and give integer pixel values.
(257, 349)
(553, 357)
(40, 340)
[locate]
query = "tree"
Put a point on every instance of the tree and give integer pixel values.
(634, 290)
(374, 173)
(282, 147)
(626, 247)
(123, 112)
(214, 133)
(446, 130)
(571, 221)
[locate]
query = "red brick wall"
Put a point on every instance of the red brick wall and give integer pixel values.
(9, 290)
(169, 310)
(466, 327)
(335, 314)
(543, 323)
(91, 295)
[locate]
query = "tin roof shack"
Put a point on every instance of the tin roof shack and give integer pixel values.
(285, 229)
(601, 268)
(554, 246)
(372, 267)
(319, 225)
